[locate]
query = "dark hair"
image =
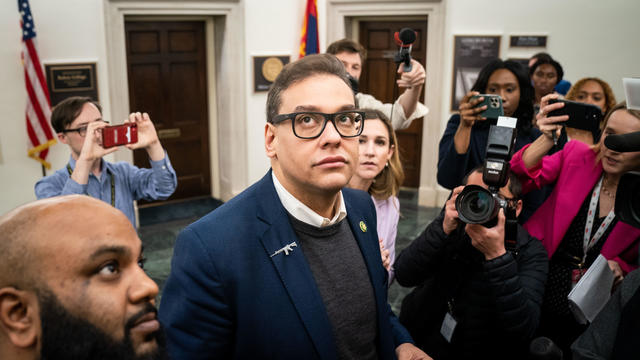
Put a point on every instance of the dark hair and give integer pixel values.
(524, 112)
(299, 70)
(540, 56)
(347, 45)
(515, 186)
(556, 65)
(68, 110)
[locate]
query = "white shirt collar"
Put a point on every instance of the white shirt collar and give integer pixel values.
(302, 212)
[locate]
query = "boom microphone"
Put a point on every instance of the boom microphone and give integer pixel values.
(623, 143)
(404, 38)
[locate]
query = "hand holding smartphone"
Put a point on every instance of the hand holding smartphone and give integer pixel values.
(581, 116)
(494, 105)
(117, 135)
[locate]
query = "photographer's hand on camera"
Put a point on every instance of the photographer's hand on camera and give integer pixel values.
(91, 153)
(451, 221)
(147, 136)
(489, 241)
(548, 126)
(469, 114)
(412, 82)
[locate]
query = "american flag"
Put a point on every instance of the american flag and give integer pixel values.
(38, 110)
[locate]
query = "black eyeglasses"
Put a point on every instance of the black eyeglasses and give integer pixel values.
(82, 130)
(309, 125)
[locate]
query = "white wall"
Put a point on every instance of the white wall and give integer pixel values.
(273, 29)
(589, 38)
(78, 37)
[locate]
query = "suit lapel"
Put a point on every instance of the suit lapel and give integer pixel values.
(293, 269)
(364, 230)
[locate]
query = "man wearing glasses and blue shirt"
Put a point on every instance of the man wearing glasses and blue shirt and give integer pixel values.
(291, 267)
(77, 122)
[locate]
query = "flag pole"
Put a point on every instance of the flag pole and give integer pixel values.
(44, 170)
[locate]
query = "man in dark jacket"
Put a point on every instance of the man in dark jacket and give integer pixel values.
(474, 299)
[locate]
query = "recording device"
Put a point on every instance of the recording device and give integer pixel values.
(353, 82)
(581, 116)
(477, 205)
(627, 206)
(117, 135)
(404, 39)
(494, 105)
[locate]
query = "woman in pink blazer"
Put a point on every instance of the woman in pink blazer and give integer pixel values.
(576, 223)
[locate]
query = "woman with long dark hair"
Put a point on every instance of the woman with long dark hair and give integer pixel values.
(464, 142)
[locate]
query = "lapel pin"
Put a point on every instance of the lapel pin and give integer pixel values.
(286, 249)
(363, 226)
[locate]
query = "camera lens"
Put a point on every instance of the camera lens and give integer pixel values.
(476, 205)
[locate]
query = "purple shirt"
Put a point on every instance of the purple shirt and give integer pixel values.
(388, 214)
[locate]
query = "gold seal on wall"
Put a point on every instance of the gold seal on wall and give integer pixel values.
(271, 68)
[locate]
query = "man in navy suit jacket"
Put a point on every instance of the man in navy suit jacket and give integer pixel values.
(291, 267)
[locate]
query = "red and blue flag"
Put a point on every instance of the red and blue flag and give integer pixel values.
(309, 43)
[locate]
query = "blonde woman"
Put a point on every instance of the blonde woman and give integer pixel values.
(577, 222)
(379, 172)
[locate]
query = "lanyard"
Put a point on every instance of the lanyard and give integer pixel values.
(113, 184)
(588, 244)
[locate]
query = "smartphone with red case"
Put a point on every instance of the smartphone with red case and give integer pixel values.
(117, 135)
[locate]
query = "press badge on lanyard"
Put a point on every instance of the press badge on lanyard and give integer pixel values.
(587, 243)
(448, 324)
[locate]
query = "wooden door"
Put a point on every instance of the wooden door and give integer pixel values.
(166, 66)
(379, 79)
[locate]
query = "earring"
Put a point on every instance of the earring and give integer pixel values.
(387, 164)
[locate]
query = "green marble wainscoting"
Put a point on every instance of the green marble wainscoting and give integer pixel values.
(160, 225)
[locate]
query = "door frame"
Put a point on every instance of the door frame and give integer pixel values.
(342, 18)
(224, 27)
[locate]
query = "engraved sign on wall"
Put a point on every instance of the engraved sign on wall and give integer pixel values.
(470, 54)
(66, 80)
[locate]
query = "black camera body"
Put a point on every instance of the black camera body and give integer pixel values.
(627, 206)
(477, 205)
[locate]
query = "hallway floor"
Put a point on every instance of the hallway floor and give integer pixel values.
(160, 225)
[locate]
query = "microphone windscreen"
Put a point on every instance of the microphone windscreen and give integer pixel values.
(623, 143)
(407, 36)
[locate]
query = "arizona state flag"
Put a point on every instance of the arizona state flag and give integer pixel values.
(309, 43)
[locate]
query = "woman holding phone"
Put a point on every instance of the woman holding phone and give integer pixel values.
(464, 142)
(379, 172)
(577, 222)
(594, 91)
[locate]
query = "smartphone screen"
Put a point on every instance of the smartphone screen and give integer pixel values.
(119, 135)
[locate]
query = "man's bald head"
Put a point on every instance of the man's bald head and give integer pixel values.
(26, 231)
(72, 284)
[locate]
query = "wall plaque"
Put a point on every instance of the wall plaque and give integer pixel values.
(66, 80)
(470, 54)
(266, 69)
(528, 41)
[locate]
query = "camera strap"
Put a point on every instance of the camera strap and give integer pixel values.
(591, 215)
(510, 230)
(113, 184)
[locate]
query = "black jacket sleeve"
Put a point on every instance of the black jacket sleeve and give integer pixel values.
(452, 167)
(517, 282)
(421, 257)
